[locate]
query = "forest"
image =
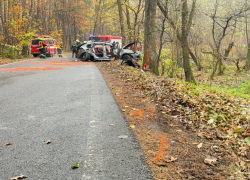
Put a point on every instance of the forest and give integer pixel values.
(202, 45)
(176, 35)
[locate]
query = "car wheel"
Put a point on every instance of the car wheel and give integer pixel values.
(126, 57)
(35, 55)
(85, 57)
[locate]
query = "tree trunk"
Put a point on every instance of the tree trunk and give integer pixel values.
(160, 48)
(153, 63)
(1, 25)
(1, 21)
(248, 45)
(119, 3)
(31, 13)
(185, 50)
(146, 34)
(24, 8)
(248, 57)
(227, 51)
(50, 16)
(128, 23)
(5, 24)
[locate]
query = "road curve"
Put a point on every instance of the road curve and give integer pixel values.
(71, 105)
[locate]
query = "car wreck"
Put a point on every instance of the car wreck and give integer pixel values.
(105, 51)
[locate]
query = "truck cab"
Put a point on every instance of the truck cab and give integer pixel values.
(48, 40)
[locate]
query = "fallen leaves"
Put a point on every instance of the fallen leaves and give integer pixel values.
(181, 145)
(199, 145)
(247, 140)
(123, 136)
(48, 142)
(186, 102)
(19, 177)
(111, 125)
(172, 159)
(132, 126)
(7, 144)
(75, 166)
(210, 160)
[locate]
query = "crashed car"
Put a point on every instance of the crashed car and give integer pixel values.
(95, 51)
(105, 51)
(127, 55)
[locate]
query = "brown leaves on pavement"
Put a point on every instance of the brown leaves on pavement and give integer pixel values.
(19, 177)
(7, 144)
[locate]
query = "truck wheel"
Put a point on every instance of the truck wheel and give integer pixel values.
(35, 55)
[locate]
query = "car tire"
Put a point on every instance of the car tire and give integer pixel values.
(35, 55)
(126, 57)
(85, 57)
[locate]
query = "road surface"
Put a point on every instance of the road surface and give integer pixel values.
(71, 105)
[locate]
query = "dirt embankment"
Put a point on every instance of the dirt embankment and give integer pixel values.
(176, 148)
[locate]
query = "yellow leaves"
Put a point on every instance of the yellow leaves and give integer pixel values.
(96, 3)
(132, 126)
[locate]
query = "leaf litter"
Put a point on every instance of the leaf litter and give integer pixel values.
(75, 166)
(19, 177)
(179, 106)
(7, 144)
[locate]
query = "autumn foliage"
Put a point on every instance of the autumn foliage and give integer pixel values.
(62, 19)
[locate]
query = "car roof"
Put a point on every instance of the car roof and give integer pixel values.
(101, 43)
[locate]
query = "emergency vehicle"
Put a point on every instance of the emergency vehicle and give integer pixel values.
(48, 40)
(110, 39)
(107, 38)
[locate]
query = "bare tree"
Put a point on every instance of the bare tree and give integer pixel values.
(119, 3)
(248, 42)
(174, 26)
(222, 24)
(134, 32)
(182, 35)
(185, 28)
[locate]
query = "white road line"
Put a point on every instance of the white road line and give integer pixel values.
(93, 164)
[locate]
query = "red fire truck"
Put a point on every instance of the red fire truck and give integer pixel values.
(48, 40)
(108, 38)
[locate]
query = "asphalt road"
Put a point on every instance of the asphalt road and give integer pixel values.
(73, 108)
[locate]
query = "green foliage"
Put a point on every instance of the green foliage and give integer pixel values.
(243, 90)
(10, 52)
(26, 38)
